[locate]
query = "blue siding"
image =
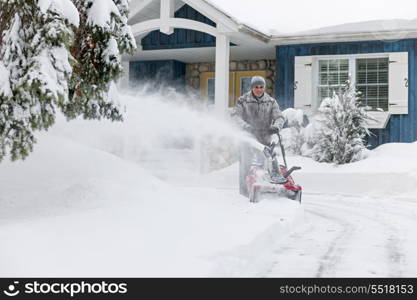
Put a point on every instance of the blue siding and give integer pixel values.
(167, 72)
(400, 128)
(181, 38)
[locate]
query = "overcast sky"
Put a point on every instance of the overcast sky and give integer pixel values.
(297, 15)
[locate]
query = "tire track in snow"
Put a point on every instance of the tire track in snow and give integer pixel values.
(269, 270)
(337, 247)
(395, 257)
(366, 233)
(311, 257)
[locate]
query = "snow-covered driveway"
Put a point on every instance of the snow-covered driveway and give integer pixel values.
(333, 234)
(349, 236)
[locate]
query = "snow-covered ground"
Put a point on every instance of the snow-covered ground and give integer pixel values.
(129, 199)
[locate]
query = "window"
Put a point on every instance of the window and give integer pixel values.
(369, 74)
(372, 82)
(332, 74)
(381, 78)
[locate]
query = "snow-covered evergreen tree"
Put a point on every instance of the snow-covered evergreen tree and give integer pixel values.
(57, 54)
(36, 67)
(340, 136)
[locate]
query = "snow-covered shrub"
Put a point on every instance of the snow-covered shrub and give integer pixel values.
(309, 135)
(341, 128)
(293, 134)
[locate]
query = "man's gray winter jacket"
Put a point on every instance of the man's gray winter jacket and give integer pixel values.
(256, 115)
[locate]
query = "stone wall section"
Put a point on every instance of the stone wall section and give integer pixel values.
(194, 70)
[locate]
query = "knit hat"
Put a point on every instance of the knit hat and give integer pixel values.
(256, 81)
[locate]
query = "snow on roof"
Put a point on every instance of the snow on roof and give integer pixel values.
(367, 26)
(226, 13)
(303, 16)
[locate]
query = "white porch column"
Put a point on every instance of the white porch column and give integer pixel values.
(167, 12)
(221, 96)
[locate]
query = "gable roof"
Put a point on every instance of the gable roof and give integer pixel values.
(249, 42)
(142, 10)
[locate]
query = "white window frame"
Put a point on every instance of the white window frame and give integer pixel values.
(352, 70)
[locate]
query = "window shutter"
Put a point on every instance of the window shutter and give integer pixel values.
(303, 92)
(398, 83)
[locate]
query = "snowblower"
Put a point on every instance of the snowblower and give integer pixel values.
(262, 177)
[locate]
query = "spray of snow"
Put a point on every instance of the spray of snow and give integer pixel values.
(161, 127)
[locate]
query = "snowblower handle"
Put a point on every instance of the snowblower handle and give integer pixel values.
(273, 130)
(274, 139)
(282, 149)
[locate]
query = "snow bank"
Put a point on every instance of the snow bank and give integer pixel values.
(61, 176)
(389, 170)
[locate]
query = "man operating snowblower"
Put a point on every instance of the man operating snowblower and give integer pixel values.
(257, 113)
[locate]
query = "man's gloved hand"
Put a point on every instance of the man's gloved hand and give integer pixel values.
(274, 129)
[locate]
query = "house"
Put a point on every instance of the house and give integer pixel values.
(194, 45)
